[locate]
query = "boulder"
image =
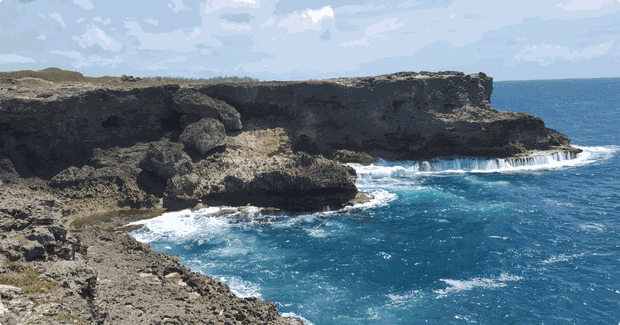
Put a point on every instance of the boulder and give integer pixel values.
(166, 159)
(192, 102)
(32, 250)
(182, 186)
(71, 176)
(126, 78)
(42, 235)
(6, 166)
(346, 156)
(204, 135)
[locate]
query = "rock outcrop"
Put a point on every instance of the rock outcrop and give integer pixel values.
(204, 135)
(71, 153)
(404, 115)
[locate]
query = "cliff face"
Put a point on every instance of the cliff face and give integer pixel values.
(69, 149)
(404, 115)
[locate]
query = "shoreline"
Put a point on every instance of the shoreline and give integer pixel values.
(74, 154)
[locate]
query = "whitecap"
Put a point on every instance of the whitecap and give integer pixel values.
(399, 299)
(561, 258)
(303, 319)
(592, 226)
(537, 161)
(458, 285)
(241, 288)
(180, 226)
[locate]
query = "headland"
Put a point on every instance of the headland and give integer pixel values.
(80, 158)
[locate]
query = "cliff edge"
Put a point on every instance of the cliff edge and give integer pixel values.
(78, 160)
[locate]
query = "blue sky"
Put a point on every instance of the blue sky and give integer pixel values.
(299, 40)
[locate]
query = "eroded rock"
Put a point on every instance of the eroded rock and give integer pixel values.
(195, 103)
(204, 135)
(167, 159)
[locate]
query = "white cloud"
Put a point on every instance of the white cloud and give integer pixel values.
(105, 22)
(176, 40)
(195, 33)
(374, 32)
(411, 3)
(159, 66)
(79, 20)
(215, 5)
(318, 15)
(94, 35)
(178, 5)
(547, 54)
(93, 60)
(86, 4)
(14, 58)
(235, 27)
(307, 19)
(58, 18)
(151, 21)
(41, 37)
(354, 9)
(575, 5)
(268, 23)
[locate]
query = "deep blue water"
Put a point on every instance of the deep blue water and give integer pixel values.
(450, 243)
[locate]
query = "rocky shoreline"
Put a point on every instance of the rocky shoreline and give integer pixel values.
(78, 161)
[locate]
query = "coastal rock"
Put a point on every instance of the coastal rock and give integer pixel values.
(204, 135)
(32, 250)
(126, 78)
(399, 116)
(43, 236)
(72, 175)
(182, 187)
(167, 159)
(346, 156)
(6, 167)
(292, 181)
(194, 103)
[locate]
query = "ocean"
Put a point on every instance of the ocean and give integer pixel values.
(448, 242)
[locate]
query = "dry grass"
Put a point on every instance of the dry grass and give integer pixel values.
(57, 75)
(27, 279)
(68, 318)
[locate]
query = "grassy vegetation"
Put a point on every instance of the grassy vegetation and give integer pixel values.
(68, 318)
(56, 74)
(220, 79)
(27, 279)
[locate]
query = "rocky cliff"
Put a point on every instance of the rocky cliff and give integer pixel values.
(400, 116)
(72, 154)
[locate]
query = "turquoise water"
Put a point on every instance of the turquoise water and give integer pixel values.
(448, 243)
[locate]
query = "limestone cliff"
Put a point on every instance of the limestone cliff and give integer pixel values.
(107, 139)
(400, 116)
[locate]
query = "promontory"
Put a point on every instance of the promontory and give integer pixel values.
(81, 159)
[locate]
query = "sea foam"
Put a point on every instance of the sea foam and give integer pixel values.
(537, 161)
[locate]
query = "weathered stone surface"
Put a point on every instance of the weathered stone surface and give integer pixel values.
(32, 249)
(167, 159)
(113, 131)
(72, 175)
(182, 187)
(197, 104)
(404, 115)
(42, 235)
(204, 135)
(105, 273)
(346, 156)
(6, 166)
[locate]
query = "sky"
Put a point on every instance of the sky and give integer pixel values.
(301, 40)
